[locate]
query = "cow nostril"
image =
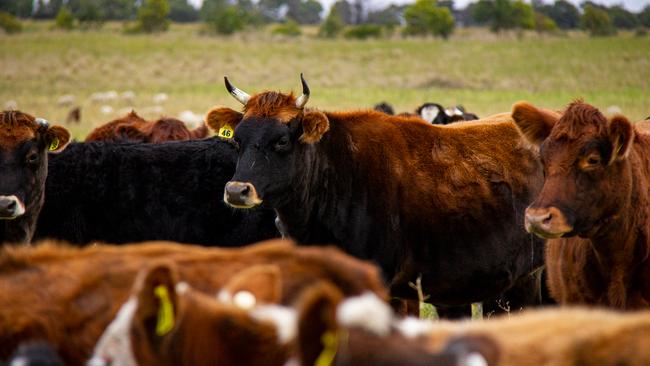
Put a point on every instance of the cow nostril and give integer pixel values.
(245, 191)
(11, 205)
(547, 219)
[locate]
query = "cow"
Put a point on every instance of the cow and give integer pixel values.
(436, 114)
(121, 193)
(74, 116)
(25, 142)
(594, 207)
(555, 336)
(384, 107)
(74, 293)
(133, 128)
(442, 202)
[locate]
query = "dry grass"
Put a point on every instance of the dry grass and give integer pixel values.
(484, 72)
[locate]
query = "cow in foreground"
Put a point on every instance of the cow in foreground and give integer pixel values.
(74, 293)
(441, 202)
(133, 128)
(121, 193)
(594, 207)
(24, 142)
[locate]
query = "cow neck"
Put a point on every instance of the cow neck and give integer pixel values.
(313, 212)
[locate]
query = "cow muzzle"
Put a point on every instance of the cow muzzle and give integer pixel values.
(11, 207)
(547, 223)
(241, 195)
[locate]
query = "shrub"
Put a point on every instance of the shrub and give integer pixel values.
(290, 29)
(9, 23)
(424, 17)
(597, 22)
(152, 16)
(332, 25)
(364, 31)
(544, 24)
(227, 20)
(64, 19)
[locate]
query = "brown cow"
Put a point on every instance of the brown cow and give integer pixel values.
(557, 337)
(74, 293)
(133, 128)
(594, 207)
(443, 202)
(24, 143)
(166, 322)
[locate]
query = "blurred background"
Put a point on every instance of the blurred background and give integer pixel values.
(168, 57)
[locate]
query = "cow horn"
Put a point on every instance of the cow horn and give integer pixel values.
(302, 100)
(42, 122)
(240, 95)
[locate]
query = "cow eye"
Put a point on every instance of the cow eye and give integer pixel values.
(282, 143)
(593, 160)
(32, 158)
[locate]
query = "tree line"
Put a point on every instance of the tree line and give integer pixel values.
(351, 18)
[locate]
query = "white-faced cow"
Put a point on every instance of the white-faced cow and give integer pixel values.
(442, 202)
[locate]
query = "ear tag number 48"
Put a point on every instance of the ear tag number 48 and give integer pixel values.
(226, 132)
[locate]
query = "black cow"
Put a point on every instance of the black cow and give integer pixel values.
(130, 192)
(384, 107)
(436, 114)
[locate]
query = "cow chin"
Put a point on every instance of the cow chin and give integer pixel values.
(546, 234)
(248, 202)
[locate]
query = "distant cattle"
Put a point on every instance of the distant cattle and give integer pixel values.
(75, 293)
(594, 207)
(444, 203)
(435, 114)
(384, 107)
(558, 337)
(25, 142)
(133, 128)
(74, 115)
(120, 193)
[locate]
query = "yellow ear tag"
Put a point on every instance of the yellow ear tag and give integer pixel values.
(330, 341)
(165, 312)
(226, 132)
(54, 144)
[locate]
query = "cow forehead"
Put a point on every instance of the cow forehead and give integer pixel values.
(281, 107)
(16, 128)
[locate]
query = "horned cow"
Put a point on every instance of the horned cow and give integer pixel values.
(417, 199)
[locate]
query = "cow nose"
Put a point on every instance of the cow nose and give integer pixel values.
(10, 207)
(241, 194)
(546, 222)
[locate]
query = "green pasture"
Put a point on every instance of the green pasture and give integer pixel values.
(484, 72)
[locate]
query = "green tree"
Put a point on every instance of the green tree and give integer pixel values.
(544, 24)
(305, 12)
(88, 12)
(18, 8)
(622, 18)
(64, 19)
(424, 17)
(389, 17)
(228, 20)
(345, 11)
(118, 9)
(47, 9)
(363, 31)
(9, 23)
(597, 22)
(290, 28)
(504, 14)
(332, 25)
(563, 13)
(182, 11)
(152, 16)
(644, 17)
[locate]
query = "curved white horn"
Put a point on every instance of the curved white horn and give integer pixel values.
(302, 100)
(240, 95)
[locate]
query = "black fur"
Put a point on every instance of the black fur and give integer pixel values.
(119, 193)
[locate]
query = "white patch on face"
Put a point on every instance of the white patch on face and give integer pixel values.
(181, 288)
(413, 327)
(429, 113)
(19, 206)
(114, 346)
(284, 319)
(244, 300)
(457, 111)
(473, 359)
(20, 361)
(366, 311)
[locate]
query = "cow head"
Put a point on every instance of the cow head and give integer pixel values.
(270, 133)
(24, 144)
(587, 173)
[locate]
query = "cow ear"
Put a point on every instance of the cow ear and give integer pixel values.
(314, 126)
(621, 135)
(254, 285)
(157, 300)
(56, 138)
(318, 333)
(223, 121)
(534, 124)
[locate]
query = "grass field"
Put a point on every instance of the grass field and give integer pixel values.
(485, 73)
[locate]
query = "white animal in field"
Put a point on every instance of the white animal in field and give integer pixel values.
(11, 105)
(614, 109)
(106, 109)
(128, 96)
(160, 98)
(65, 100)
(191, 119)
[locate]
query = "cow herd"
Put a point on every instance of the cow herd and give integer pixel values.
(378, 212)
